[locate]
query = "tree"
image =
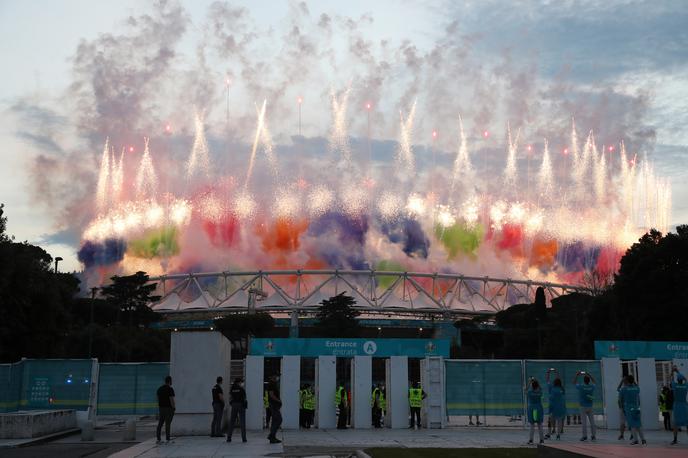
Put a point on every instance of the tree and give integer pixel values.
(34, 300)
(337, 318)
(131, 294)
(651, 296)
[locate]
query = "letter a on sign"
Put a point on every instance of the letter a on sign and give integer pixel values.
(370, 347)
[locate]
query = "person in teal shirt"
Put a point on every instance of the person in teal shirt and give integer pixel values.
(680, 408)
(557, 403)
(629, 395)
(586, 395)
(535, 411)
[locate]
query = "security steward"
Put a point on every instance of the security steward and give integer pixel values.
(341, 401)
(416, 396)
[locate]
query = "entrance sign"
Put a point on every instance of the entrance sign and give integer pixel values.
(382, 348)
(633, 349)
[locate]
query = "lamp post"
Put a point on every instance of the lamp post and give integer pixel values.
(57, 259)
(94, 290)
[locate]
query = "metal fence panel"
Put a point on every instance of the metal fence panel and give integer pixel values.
(484, 387)
(130, 388)
(55, 384)
(567, 370)
(10, 386)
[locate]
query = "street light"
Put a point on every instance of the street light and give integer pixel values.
(57, 259)
(94, 291)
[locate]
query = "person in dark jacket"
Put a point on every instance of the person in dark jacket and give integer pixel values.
(238, 404)
(218, 408)
(166, 406)
(275, 407)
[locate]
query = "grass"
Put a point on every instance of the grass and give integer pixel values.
(390, 452)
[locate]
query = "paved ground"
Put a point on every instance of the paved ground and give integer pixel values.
(344, 443)
(108, 441)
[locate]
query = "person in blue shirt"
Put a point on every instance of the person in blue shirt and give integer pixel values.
(557, 402)
(622, 416)
(630, 400)
(535, 411)
(586, 395)
(680, 408)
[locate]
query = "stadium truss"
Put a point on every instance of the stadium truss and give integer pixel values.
(374, 291)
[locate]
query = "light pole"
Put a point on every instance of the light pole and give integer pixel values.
(57, 259)
(94, 290)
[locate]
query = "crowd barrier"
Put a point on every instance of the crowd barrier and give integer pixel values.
(497, 387)
(119, 388)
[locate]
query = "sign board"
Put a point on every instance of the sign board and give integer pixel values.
(633, 349)
(381, 348)
(39, 392)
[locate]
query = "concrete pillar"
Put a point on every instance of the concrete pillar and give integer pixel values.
(326, 377)
(432, 377)
(290, 380)
(611, 376)
(254, 368)
(196, 360)
(397, 393)
(361, 392)
(647, 381)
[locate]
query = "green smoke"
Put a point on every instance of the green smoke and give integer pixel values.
(459, 238)
(156, 243)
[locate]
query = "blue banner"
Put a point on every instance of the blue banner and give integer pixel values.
(632, 349)
(414, 348)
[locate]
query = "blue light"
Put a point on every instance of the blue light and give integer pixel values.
(69, 380)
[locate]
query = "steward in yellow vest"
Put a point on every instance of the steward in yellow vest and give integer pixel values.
(342, 402)
(416, 396)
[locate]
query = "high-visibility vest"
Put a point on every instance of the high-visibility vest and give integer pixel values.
(302, 394)
(266, 403)
(340, 396)
(382, 403)
(308, 400)
(415, 397)
(662, 403)
(376, 394)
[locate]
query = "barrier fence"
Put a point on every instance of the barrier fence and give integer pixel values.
(497, 387)
(130, 388)
(123, 388)
(473, 387)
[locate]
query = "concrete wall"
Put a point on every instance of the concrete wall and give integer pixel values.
(254, 368)
(434, 407)
(397, 393)
(326, 375)
(647, 382)
(611, 376)
(35, 423)
(362, 416)
(290, 380)
(196, 360)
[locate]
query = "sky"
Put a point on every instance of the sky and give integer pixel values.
(77, 71)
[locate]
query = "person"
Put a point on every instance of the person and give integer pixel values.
(416, 396)
(586, 395)
(630, 399)
(218, 409)
(376, 407)
(266, 405)
(622, 416)
(309, 406)
(275, 406)
(557, 403)
(383, 405)
(680, 407)
(342, 403)
(302, 410)
(664, 407)
(166, 407)
(535, 411)
(238, 403)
